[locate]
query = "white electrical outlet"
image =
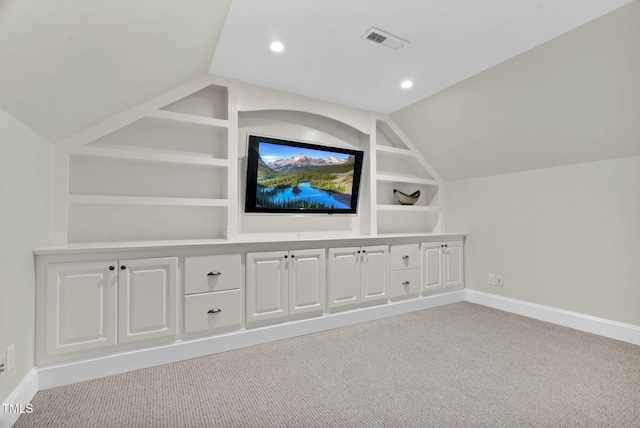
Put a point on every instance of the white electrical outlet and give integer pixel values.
(3, 363)
(492, 279)
(11, 356)
(499, 281)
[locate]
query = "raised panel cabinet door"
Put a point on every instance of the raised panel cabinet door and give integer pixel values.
(432, 265)
(374, 273)
(80, 308)
(454, 264)
(344, 276)
(306, 281)
(267, 286)
(147, 299)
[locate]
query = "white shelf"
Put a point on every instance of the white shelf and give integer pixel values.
(393, 151)
(189, 118)
(407, 208)
(405, 179)
(148, 156)
(145, 200)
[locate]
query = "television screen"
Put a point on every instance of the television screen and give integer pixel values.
(290, 177)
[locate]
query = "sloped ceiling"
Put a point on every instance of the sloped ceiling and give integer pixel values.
(68, 64)
(574, 99)
(326, 56)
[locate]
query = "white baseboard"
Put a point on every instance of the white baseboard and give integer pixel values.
(50, 376)
(66, 373)
(21, 396)
(600, 326)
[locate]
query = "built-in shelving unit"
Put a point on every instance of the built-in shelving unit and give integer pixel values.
(171, 169)
(399, 165)
(161, 171)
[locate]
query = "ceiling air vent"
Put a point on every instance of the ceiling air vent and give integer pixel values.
(383, 38)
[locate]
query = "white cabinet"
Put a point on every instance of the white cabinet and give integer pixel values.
(374, 274)
(307, 282)
(357, 275)
(284, 283)
(442, 265)
(405, 271)
(212, 302)
(267, 291)
(91, 303)
(80, 310)
(85, 301)
(147, 299)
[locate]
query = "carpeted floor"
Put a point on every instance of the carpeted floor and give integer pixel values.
(461, 365)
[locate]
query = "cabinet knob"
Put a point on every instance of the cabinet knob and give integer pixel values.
(112, 267)
(364, 251)
(406, 283)
(214, 311)
(359, 251)
(286, 256)
(214, 273)
(123, 267)
(442, 245)
(445, 245)
(405, 257)
(293, 256)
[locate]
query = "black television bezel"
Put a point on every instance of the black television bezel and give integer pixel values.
(253, 142)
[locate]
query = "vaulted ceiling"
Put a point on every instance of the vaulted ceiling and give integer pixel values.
(68, 64)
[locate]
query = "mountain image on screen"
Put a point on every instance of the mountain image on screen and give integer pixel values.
(311, 180)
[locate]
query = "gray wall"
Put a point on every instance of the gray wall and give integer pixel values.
(25, 182)
(566, 237)
(542, 160)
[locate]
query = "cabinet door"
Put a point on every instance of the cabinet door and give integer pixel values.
(267, 288)
(432, 266)
(344, 276)
(306, 281)
(80, 306)
(453, 264)
(147, 299)
(374, 277)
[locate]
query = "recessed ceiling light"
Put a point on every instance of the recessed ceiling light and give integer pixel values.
(277, 47)
(406, 84)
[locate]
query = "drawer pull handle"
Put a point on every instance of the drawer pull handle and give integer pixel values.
(406, 283)
(214, 273)
(214, 311)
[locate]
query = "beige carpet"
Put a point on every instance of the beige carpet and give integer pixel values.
(460, 365)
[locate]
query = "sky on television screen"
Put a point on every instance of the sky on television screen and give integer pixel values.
(272, 152)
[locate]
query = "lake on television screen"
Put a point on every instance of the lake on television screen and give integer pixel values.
(298, 177)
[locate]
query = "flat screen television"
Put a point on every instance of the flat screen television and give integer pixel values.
(293, 177)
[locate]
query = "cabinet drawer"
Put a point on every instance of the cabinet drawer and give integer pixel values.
(212, 312)
(211, 273)
(405, 284)
(404, 256)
